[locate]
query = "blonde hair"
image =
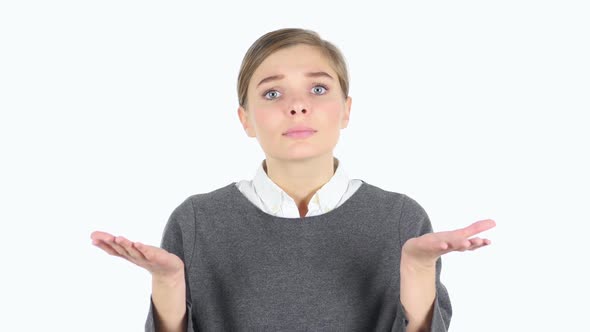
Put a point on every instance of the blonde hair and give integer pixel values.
(283, 38)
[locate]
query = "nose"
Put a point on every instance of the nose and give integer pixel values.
(295, 110)
(299, 106)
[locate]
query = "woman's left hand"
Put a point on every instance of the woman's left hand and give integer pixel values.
(424, 250)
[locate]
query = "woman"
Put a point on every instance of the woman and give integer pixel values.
(301, 246)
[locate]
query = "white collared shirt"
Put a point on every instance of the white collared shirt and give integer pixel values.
(270, 198)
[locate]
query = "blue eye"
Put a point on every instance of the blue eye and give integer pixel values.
(315, 89)
(318, 89)
(266, 94)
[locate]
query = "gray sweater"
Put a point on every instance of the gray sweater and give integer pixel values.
(247, 270)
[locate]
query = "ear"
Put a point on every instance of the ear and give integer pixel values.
(244, 119)
(346, 115)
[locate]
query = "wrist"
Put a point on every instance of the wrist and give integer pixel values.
(169, 279)
(415, 265)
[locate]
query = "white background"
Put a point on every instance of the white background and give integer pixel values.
(113, 112)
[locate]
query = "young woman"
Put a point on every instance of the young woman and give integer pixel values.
(301, 246)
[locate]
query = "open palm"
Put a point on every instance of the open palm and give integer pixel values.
(156, 260)
(428, 247)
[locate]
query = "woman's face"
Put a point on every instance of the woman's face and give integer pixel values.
(295, 86)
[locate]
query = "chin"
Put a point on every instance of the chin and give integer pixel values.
(301, 153)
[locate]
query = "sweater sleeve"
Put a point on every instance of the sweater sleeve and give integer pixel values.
(178, 239)
(414, 222)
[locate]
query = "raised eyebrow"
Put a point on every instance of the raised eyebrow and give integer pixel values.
(280, 77)
(270, 79)
(319, 74)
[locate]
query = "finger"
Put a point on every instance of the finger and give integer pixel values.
(100, 236)
(102, 245)
(138, 246)
(119, 249)
(475, 247)
(464, 245)
(459, 245)
(477, 227)
(476, 242)
(485, 242)
(145, 250)
(456, 245)
(127, 246)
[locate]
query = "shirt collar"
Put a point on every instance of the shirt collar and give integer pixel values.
(327, 197)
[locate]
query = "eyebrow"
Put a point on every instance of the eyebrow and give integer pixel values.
(278, 77)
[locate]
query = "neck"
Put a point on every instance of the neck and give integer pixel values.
(301, 179)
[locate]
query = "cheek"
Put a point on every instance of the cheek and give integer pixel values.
(266, 118)
(331, 111)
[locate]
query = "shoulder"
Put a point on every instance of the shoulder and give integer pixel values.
(217, 198)
(401, 201)
(411, 216)
(182, 223)
(378, 194)
(212, 200)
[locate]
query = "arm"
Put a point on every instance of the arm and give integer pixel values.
(169, 309)
(169, 302)
(417, 294)
(424, 299)
(170, 305)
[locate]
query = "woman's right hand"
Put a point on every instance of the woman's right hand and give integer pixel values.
(159, 262)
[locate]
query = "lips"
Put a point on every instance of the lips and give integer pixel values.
(299, 129)
(299, 134)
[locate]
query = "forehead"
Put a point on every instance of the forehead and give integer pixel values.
(292, 60)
